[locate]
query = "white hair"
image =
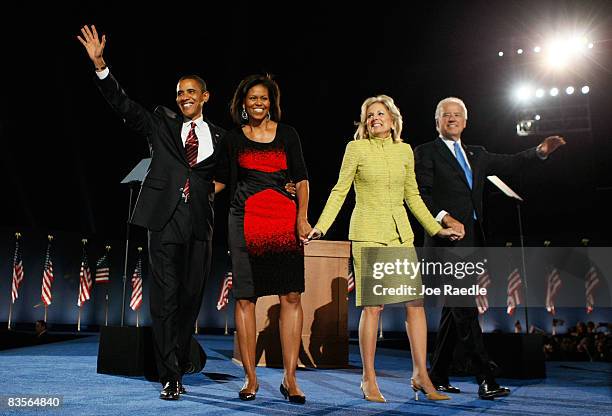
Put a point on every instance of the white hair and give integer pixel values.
(450, 100)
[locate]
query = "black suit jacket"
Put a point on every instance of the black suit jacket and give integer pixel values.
(443, 185)
(169, 169)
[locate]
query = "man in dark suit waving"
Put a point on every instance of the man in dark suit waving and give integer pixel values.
(175, 204)
(451, 178)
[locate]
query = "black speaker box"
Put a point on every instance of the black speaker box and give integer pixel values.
(128, 351)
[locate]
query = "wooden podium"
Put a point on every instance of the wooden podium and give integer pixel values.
(325, 330)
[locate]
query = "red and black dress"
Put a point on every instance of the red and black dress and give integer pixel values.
(267, 258)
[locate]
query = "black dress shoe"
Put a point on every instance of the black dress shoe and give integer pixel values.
(491, 390)
(170, 391)
(296, 398)
(447, 388)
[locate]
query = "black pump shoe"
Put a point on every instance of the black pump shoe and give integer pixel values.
(296, 398)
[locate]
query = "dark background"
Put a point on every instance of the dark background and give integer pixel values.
(64, 151)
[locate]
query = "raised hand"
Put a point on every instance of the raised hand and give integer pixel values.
(550, 144)
(94, 47)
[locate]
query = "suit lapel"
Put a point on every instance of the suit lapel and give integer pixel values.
(178, 140)
(446, 154)
(473, 158)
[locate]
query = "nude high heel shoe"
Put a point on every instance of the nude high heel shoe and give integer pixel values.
(378, 398)
(430, 396)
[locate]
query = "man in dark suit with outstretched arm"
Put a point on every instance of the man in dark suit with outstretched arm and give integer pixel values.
(451, 178)
(175, 204)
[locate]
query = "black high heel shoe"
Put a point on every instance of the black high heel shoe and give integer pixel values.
(295, 398)
(246, 395)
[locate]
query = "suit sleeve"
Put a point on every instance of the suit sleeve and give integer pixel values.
(414, 201)
(500, 164)
(135, 116)
(222, 169)
(424, 170)
(341, 189)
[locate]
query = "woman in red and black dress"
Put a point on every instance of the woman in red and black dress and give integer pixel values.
(267, 225)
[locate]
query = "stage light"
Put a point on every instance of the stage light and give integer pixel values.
(523, 93)
(525, 127)
(590, 45)
(554, 92)
(500, 53)
(519, 51)
(537, 117)
(537, 49)
(539, 93)
(569, 90)
(585, 89)
(558, 55)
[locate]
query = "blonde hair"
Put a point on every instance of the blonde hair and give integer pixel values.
(362, 128)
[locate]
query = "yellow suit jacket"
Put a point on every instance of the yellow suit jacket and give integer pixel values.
(383, 175)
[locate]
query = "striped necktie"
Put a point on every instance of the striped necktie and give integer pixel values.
(191, 149)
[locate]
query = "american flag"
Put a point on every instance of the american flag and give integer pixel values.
(136, 298)
(482, 301)
(47, 280)
(552, 288)
(514, 287)
(350, 280)
(85, 281)
(591, 281)
(102, 270)
(17, 272)
(226, 286)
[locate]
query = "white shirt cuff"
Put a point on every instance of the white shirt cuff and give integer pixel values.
(441, 215)
(539, 155)
(103, 74)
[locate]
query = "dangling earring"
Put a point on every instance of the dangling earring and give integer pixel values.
(269, 116)
(244, 114)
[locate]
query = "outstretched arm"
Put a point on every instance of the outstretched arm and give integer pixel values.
(136, 117)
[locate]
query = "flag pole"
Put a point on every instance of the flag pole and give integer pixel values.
(17, 235)
(196, 327)
(84, 241)
(45, 313)
(79, 320)
(106, 290)
(226, 332)
(380, 324)
(137, 317)
(10, 314)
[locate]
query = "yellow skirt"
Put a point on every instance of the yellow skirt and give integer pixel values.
(367, 299)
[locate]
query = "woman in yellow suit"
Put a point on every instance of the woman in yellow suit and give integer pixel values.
(381, 167)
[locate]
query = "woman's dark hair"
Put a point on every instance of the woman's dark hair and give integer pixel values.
(244, 87)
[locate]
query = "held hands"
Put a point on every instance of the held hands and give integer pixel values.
(314, 234)
(92, 44)
(450, 234)
(549, 145)
(303, 230)
(450, 222)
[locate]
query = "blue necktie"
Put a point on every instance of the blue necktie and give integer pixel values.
(463, 163)
(466, 168)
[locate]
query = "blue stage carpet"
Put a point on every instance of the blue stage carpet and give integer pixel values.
(68, 369)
